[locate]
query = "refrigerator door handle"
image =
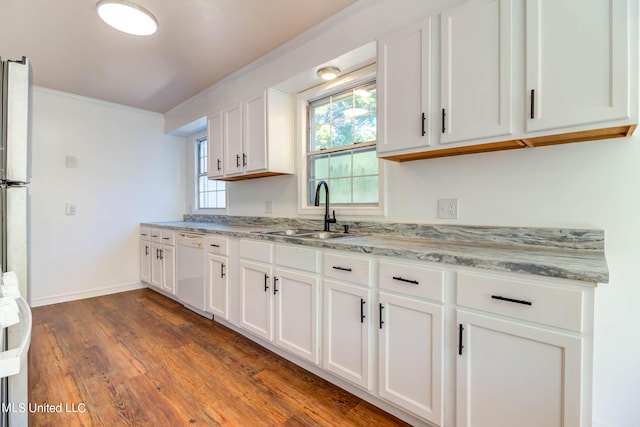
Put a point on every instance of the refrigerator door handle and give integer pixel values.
(10, 359)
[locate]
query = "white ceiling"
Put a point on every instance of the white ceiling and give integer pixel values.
(198, 43)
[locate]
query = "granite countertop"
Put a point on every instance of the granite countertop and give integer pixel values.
(559, 253)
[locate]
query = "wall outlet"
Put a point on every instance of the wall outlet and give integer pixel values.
(448, 208)
(71, 209)
(268, 206)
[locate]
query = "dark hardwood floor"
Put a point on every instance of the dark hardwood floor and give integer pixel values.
(141, 359)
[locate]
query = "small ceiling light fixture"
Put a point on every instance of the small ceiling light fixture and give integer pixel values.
(127, 17)
(328, 73)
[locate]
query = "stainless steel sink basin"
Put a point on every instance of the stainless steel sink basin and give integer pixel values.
(310, 234)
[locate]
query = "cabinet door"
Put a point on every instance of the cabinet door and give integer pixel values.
(256, 300)
(411, 355)
(577, 62)
(512, 374)
(296, 299)
(347, 318)
(168, 256)
(404, 89)
(156, 265)
(476, 71)
(232, 131)
(145, 261)
(255, 134)
(215, 138)
(217, 273)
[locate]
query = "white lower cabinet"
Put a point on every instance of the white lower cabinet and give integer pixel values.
(217, 276)
(217, 273)
(347, 332)
(296, 313)
(256, 301)
(145, 259)
(163, 260)
(279, 304)
(411, 338)
(512, 374)
(410, 355)
(520, 352)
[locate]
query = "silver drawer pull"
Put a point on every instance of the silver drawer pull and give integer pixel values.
(415, 282)
(342, 268)
(517, 301)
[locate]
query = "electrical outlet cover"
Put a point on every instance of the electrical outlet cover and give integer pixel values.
(448, 208)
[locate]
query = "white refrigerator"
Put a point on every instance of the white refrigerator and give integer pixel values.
(15, 175)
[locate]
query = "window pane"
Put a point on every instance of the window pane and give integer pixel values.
(365, 163)
(342, 133)
(339, 104)
(340, 165)
(366, 98)
(340, 190)
(221, 199)
(319, 167)
(321, 138)
(321, 113)
(365, 128)
(365, 190)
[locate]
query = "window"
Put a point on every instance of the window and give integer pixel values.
(211, 194)
(342, 146)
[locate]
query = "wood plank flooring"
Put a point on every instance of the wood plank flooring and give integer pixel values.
(140, 359)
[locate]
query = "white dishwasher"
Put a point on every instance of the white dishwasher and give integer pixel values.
(190, 286)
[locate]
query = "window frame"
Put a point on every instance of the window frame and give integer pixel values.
(197, 174)
(361, 76)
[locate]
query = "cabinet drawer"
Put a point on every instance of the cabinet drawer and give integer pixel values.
(156, 235)
(354, 270)
(168, 237)
(411, 280)
(145, 233)
(257, 251)
(529, 301)
(298, 257)
(217, 245)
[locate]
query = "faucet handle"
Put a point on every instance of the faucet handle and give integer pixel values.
(346, 228)
(332, 220)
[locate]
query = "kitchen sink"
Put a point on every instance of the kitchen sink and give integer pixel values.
(308, 234)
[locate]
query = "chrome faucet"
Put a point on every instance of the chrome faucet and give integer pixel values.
(327, 219)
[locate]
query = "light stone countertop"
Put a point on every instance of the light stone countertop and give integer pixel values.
(586, 265)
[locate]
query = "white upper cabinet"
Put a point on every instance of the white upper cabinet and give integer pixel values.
(215, 140)
(577, 62)
(511, 74)
(233, 151)
(255, 134)
(257, 137)
(404, 89)
(476, 71)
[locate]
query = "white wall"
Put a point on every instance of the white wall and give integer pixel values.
(592, 185)
(128, 171)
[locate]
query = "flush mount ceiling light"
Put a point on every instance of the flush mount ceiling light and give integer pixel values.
(127, 17)
(328, 73)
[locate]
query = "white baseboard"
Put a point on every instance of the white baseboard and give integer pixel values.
(88, 293)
